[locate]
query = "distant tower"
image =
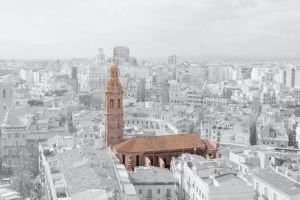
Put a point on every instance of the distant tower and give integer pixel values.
(141, 91)
(74, 73)
(113, 108)
(172, 60)
(6, 98)
(293, 75)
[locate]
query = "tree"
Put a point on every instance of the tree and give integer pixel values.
(292, 136)
(23, 176)
(37, 191)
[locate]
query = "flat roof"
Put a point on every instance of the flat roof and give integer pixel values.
(151, 175)
(278, 181)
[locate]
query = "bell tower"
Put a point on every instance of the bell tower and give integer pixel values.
(113, 108)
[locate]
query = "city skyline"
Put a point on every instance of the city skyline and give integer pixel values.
(149, 100)
(54, 29)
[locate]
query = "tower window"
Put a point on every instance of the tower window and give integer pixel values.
(137, 160)
(119, 103)
(4, 93)
(123, 159)
(111, 103)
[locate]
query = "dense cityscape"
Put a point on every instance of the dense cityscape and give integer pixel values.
(149, 100)
(115, 127)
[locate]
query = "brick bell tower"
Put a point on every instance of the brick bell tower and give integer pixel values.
(113, 108)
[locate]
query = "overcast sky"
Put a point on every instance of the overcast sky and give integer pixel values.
(76, 28)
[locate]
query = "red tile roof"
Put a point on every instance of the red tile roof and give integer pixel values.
(165, 143)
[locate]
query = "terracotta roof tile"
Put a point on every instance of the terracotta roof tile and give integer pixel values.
(164, 143)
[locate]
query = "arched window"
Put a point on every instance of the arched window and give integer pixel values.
(111, 103)
(137, 160)
(123, 159)
(119, 103)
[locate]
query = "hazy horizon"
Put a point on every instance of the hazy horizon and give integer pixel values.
(35, 29)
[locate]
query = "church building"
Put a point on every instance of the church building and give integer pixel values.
(147, 150)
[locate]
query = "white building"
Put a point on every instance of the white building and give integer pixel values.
(207, 180)
(269, 184)
(85, 173)
(26, 75)
(177, 94)
(250, 159)
(154, 183)
(83, 79)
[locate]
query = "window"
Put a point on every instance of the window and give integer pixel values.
(4, 93)
(137, 160)
(158, 191)
(111, 103)
(168, 194)
(140, 191)
(123, 159)
(119, 103)
(149, 193)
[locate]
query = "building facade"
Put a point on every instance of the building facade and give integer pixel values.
(154, 183)
(203, 179)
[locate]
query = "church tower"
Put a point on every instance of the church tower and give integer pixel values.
(113, 108)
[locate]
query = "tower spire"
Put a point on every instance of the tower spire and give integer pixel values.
(113, 108)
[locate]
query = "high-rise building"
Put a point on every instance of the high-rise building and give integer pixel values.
(121, 51)
(172, 60)
(164, 93)
(74, 73)
(113, 108)
(293, 77)
(297, 77)
(121, 55)
(284, 77)
(73, 82)
(198, 74)
(141, 90)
